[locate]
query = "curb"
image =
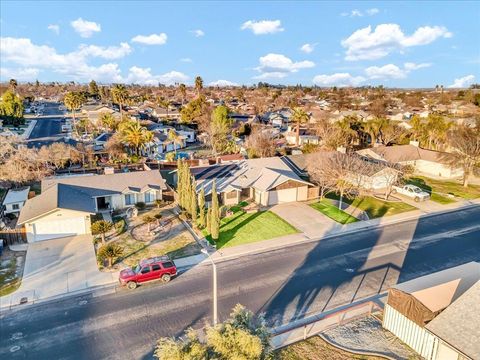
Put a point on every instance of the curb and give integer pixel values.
(307, 240)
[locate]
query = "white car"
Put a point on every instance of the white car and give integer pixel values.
(412, 191)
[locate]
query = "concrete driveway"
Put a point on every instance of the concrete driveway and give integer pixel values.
(58, 267)
(306, 219)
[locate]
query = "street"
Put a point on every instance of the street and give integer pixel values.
(48, 127)
(285, 284)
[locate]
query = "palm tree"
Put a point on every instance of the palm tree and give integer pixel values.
(198, 85)
(13, 85)
(173, 136)
(73, 101)
(183, 92)
(299, 116)
(134, 135)
(120, 95)
(373, 127)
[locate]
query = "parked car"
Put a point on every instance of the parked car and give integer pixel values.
(412, 191)
(155, 268)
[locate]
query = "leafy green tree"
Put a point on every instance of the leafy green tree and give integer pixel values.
(11, 109)
(110, 252)
(241, 337)
(93, 88)
(220, 128)
(373, 128)
(193, 110)
(108, 121)
(201, 206)
(101, 227)
(299, 117)
(120, 96)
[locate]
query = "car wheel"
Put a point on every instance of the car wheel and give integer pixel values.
(166, 277)
(394, 191)
(132, 285)
(417, 199)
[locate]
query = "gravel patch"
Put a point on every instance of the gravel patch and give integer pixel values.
(367, 335)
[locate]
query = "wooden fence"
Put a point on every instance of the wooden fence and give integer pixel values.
(13, 236)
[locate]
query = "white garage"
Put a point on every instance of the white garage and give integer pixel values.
(58, 224)
(282, 196)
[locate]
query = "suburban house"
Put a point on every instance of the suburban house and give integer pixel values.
(14, 200)
(427, 162)
(94, 112)
(161, 144)
(303, 138)
(438, 315)
(267, 181)
(65, 204)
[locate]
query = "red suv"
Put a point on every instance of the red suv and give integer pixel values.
(160, 267)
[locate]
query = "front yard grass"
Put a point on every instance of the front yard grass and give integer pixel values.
(245, 228)
(439, 187)
(327, 208)
(10, 272)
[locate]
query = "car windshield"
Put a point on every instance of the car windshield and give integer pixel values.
(137, 269)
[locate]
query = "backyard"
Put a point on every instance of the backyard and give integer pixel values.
(244, 228)
(440, 189)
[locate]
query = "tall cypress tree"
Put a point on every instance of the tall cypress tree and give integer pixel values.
(209, 218)
(201, 205)
(215, 215)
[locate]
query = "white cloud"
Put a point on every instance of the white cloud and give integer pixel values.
(54, 27)
(412, 66)
(365, 44)
(85, 28)
(20, 74)
(338, 79)
(22, 52)
(198, 33)
(308, 48)
(385, 72)
(186, 60)
(358, 13)
(152, 39)
(279, 66)
(222, 83)
(144, 76)
(391, 71)
(110, 52)
(263, 27)
(463, 82)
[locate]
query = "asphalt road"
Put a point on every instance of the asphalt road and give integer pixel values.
(48, 127)
(285, 284)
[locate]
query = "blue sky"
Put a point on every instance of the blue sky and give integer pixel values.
(397, 44)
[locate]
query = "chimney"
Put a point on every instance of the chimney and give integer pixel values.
(108, 170)
(414, 143)
(342, 149)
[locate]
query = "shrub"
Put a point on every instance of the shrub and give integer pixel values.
(101, 227)
(110, 252)
(120, 226)
(159, 203)
(140, 205)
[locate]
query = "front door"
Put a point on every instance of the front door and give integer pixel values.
(101, 203)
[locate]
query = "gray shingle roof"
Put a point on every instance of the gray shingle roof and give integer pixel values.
(459, 324)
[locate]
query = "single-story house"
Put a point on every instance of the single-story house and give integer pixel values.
(303, 138)
(65, 204)
(427, 162)
(15, 199)
(94, 112)
(267, 181)
(438, 315)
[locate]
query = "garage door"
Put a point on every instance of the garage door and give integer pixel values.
(58, 228)
(282, 196)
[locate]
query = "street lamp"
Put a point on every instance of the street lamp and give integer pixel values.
(215, 317)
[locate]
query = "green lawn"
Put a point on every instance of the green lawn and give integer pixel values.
(437, 187)
(376, 208)
(333, 212)
(243, 228)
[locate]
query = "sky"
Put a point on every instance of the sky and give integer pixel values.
(341, 43)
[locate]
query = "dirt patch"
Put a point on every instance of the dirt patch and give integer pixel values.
(11, 270)
(316, 348)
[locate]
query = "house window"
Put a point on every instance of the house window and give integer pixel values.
(149, 197)
(15, 206)
(129, 199)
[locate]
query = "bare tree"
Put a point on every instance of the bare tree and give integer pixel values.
(319, 172)
(260, 143)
